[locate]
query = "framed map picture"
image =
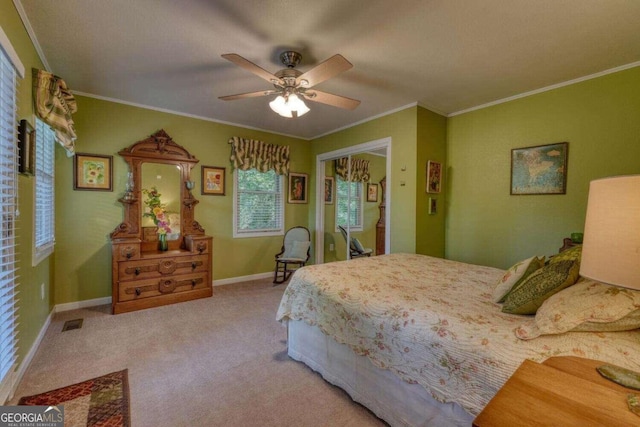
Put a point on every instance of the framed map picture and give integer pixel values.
(328, 190)
(539, 170)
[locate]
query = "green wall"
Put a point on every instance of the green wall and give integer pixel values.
(84, 219)
(32, 309)
(600, 118)
(432, 131)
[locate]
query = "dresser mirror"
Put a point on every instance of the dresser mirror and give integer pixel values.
(158, 164)
(165, 180)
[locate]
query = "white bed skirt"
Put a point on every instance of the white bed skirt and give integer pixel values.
(386, 395)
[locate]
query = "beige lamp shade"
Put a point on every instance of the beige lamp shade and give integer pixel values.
(611, 247)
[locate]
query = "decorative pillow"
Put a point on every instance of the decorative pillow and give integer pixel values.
(357, 245)
(586, 306)
(572, 254)
(516, 274)
(298, 250)
(529, 295)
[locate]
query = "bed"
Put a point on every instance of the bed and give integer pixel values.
(418, 340)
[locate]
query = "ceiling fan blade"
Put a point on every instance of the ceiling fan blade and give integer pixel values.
(331, 99)
(251, 67)
(325, 70)
(248, 95)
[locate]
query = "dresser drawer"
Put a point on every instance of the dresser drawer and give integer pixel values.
(159, 267)
(124, 252)
(139, 289)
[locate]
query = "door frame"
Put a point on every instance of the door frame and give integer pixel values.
(320, 173)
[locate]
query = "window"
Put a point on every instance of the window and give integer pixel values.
(259, 203)
(10, 66)
(348, 205)
(44, 232)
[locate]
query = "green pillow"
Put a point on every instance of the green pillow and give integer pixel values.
(297, 251)
(529, 295)
(514, 276)
(572, 254)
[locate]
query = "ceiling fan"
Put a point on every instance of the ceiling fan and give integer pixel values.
(293, 86)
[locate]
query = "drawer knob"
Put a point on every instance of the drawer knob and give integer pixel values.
(201, 247)
(129, 255)
(137, 272)
(193, 282)
(138, 291)
(193, 265)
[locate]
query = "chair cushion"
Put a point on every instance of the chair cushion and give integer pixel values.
(357, 245)
(297, 251)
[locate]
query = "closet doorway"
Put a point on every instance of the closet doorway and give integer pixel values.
(351, 201)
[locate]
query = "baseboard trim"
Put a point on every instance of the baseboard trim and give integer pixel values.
(81, 304)
(239, 279)
(19, 373)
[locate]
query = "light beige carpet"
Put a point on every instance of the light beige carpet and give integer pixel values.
(218, 361)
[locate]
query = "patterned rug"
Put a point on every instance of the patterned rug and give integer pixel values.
(102, 401)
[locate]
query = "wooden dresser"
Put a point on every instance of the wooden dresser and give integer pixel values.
(142, 275)
(153, 278)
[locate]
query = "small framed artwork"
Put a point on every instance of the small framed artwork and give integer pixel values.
(92, 172)
(539, 170)
(26, 147)
(372, 192)
(328, 190)
(434, 176)
(433, 206)
(213, 180)
(298, 187)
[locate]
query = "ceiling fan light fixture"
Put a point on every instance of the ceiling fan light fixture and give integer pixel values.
(286, 107)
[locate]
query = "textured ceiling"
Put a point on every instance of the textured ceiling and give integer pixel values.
(446, 55)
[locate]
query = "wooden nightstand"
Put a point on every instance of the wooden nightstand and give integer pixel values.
(562, 391)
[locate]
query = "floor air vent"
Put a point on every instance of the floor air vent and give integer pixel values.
(70, 325)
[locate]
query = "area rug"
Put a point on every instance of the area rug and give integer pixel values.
(102, 401)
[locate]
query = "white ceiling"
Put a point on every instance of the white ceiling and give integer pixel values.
(445, 55)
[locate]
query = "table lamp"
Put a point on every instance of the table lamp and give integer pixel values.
(611, 249)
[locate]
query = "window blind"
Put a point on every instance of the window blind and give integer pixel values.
(348, 204)
(44, 233)
(259, 203)
(8, 209)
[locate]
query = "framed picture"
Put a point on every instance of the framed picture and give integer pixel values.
(434, 176)
(298, 187)
(328, 190)
(539, 170)
(92, 172)
(213, 180)
(433, 206)
(372, 192)
(26, 147)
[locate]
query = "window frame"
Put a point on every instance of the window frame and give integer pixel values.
(360, 226)
(240, 234)
(10, 62)
(45, 152)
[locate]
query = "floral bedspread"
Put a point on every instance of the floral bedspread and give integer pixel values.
(432, 321)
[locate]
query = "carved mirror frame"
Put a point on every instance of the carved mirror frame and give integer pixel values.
(157, 148)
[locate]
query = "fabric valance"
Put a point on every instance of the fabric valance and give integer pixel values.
(251, 153)
(54, 104)
(359, 169)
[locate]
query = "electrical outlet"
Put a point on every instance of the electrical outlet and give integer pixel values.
(331, 248)
(42, 291)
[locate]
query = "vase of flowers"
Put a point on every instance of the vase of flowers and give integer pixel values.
(156, 211)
